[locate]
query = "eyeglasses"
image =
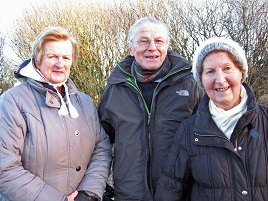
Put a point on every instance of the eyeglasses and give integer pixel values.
(145, 42)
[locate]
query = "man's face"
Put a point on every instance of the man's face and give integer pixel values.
(149, 46)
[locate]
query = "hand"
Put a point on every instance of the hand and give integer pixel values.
(72, 196)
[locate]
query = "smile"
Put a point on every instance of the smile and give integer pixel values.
(152, 57)
(222, 89)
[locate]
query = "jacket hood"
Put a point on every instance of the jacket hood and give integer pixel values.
(28, 70)
(123, 68)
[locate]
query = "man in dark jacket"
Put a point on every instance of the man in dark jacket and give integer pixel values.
(147, 96)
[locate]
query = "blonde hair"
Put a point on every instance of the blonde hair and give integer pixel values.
(53, 34)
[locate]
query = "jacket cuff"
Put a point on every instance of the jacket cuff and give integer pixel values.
(83, 196)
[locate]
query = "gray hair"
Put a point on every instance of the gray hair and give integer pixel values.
(141, 22)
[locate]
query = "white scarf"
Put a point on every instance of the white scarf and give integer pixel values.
(227, 119)
(30, 71)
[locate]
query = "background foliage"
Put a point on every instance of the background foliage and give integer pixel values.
(101, 29)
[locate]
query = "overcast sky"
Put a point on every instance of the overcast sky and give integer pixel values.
(10, 10)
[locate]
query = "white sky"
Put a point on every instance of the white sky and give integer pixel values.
(10, 10)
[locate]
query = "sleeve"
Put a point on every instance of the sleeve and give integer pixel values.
(17, 183)
(103, 114)
(94, 181)
(175, 182)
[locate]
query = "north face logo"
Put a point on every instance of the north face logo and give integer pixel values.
(182, 92)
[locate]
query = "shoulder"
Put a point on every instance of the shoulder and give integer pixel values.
(16, 92)
(185, 129)
(188, 83)
(264, 110)
(177, 60)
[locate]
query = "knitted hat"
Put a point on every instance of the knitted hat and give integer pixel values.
(217, 44)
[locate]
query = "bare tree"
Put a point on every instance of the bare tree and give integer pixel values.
(6, 69)
(246, 23)
(101, 29)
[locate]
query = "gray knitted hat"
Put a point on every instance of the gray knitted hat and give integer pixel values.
(217, 44)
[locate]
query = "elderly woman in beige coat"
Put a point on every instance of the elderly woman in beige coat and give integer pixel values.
(52, 147)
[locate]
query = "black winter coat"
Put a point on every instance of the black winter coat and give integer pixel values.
(204, 165)
(143, 135)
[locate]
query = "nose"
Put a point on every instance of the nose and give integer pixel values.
(151, 45)
(220, 77)
(59, 62)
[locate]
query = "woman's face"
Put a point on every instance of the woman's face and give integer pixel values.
(221, 80)
(149, 46)
(56, 62)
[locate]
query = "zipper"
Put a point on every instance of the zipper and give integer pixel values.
(212, 136)
(235, 144)
(135, 86)
(236, 138)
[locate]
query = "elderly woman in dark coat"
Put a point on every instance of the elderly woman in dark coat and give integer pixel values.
(220, 153)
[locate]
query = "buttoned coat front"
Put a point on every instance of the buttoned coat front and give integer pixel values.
(44, 156)
(205, 165)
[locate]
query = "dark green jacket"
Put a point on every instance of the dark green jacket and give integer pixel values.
(143, 135)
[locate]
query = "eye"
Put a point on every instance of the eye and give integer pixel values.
(209, 72)
(67, 58)
(227, 68)
(159, 41)
(52, 56)
(143, 41)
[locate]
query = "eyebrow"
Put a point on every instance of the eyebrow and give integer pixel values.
(145, 36)
(55, 54)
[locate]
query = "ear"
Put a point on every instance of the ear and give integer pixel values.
(35, 62)
(130, 50)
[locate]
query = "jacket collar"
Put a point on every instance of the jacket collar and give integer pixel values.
(204, 124)
(42, 89)
(122, 70)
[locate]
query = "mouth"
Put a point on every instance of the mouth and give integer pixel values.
(58, 72)
(151, 57)
(222, 89)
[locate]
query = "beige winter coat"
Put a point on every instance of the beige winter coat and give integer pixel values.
(44, 156)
